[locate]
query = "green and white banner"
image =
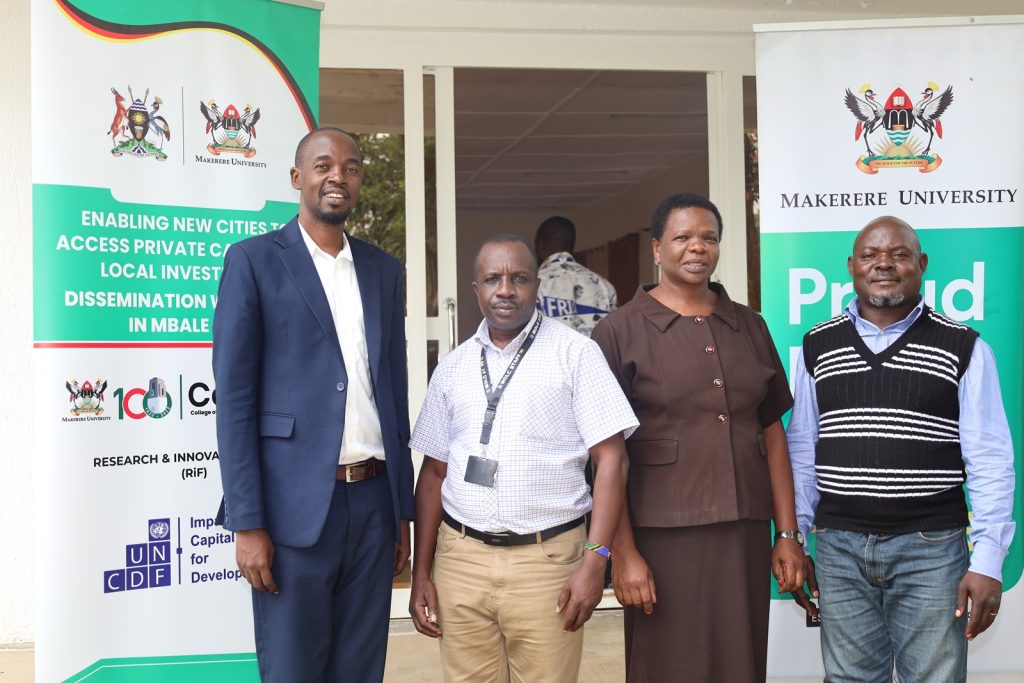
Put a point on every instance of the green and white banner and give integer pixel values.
(162, 133)
(871, 119)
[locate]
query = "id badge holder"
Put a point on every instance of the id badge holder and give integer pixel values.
(480, 470)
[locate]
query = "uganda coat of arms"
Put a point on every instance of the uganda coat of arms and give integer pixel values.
(138, 130)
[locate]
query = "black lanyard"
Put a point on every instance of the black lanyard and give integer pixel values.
(494, 394)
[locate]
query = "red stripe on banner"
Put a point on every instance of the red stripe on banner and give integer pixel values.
(92, 28)
(123, 345)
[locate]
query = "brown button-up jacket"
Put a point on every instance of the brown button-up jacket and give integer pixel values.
(703, 388)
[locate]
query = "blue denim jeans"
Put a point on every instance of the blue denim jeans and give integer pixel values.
(887, 606)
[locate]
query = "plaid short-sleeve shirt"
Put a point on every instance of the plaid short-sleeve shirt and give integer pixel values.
(561, 401)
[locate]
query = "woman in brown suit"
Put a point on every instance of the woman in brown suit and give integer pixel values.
(709, 468)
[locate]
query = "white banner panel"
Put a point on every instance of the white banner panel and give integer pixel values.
(162, 133)
(905, 118)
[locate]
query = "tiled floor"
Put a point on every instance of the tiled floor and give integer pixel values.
(412, 657)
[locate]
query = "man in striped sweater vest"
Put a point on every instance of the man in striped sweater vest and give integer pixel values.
(897, 406)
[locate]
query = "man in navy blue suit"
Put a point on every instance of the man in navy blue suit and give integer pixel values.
(312, 426)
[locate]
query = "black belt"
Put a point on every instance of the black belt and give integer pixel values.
(509, 539)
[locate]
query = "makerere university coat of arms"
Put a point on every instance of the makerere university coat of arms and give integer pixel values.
(898, 118)
(87, 397)
(230, 131)
(135, 124)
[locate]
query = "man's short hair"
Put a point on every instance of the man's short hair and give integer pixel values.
(558, 233)
(682, 200)
(300, 149)
(505, 238)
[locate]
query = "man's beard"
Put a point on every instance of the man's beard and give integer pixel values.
(331, 217)
(887, 300)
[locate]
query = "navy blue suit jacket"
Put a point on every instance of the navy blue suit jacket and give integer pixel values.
(281, 384)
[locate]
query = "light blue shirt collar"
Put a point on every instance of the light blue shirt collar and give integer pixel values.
(867, 327)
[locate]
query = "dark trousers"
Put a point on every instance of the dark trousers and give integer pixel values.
(329, 621)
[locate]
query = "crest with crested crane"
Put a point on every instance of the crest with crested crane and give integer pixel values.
(230, 130)
(138, 129)
(887, 127)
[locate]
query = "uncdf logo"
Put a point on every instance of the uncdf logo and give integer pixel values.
(146, 564)
(137, 402)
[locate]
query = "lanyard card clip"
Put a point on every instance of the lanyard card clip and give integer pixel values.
(485, 429)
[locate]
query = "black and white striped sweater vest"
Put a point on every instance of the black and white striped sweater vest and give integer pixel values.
(888, 456)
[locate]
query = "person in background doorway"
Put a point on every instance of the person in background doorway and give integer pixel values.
(708, 466)
(569, 292)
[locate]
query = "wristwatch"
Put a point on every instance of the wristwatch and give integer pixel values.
(794, 535)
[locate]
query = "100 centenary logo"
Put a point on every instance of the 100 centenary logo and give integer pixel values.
(892, 124)
(87, 399)
(136, 403)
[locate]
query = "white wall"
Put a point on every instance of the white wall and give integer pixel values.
(17, 549)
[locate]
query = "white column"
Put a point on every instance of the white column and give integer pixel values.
(727, 176)
(415, 238)
(447, 270)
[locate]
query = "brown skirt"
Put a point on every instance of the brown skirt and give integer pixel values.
(710, 624)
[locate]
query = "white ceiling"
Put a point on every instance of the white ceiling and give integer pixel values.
(560, 140)
(528, 139)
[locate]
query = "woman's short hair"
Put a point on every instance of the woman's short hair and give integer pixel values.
(682, 200)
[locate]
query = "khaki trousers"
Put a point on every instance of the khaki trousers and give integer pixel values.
(497, 605)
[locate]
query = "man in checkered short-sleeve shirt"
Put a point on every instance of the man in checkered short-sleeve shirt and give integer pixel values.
(503, 567)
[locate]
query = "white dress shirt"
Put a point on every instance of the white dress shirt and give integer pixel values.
(561, 401)
(361, 438)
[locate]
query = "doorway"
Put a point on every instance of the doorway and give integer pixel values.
(453, 155)
(601, 148)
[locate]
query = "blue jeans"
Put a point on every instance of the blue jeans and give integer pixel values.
(887, 605)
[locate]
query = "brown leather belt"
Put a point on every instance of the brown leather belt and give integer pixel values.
(508, 539)
(360, 471)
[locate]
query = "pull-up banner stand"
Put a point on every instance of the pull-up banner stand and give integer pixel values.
(915, 119)
(162, 133)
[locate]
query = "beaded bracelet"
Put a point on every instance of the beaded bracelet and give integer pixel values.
(599, 549)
